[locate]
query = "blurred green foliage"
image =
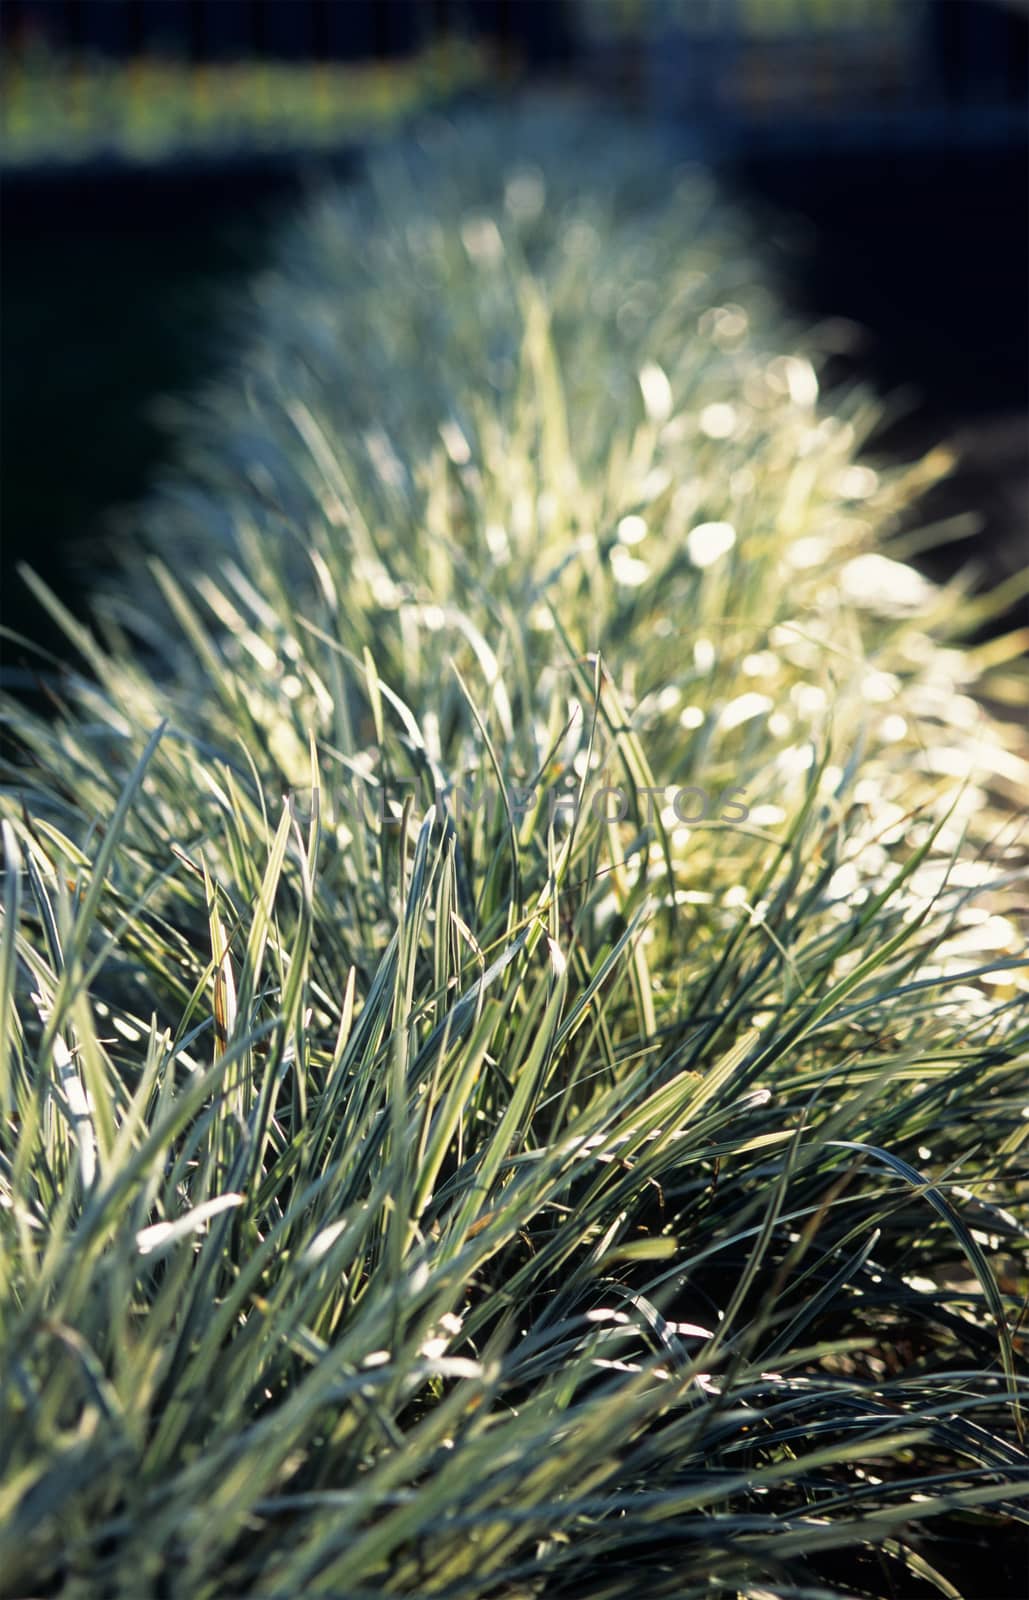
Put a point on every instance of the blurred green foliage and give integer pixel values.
(57, 110)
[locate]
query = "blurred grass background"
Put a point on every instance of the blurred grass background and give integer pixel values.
(148, 146)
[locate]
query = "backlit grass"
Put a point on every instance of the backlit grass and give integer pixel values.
(407, 1191)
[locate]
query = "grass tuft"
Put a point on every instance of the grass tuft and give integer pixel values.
(423, 1172)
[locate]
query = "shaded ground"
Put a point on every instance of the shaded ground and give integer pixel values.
(112, 290)
(928, 251)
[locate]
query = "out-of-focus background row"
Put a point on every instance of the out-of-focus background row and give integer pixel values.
(147, 147)
(145, 78)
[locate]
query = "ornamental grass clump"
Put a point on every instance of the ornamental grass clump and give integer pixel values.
(514, 1045)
